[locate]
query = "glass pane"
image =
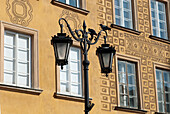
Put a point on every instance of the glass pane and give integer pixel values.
(153, 14)
(117, 12)
(9, 39)
(133, 102)
(123, 89)
(73, 2)
(106, 59)
(118, 22)
(161, 107)
(9, 78)
(168, 107)
(162, 25)
(158, 75)
(166, 76)
(127, 14)
(74, 54)
(121, 66)
(162, 34)
(132, 91)
(9, 65)
(23, 42)
(131, 79)
(75, 78)
(74, 66)
(126, 4)
(23, 80)
(154, 23)
(122, 78)
(9, 52)
(117, 2)
(160, 86)
(123, 100)
(160, 96)
(64, 1)
(167, 97)
(63, 76)
(161, 6)
(167, 87)
(23, 68)
(152, 4)
(130, 68)
(23, 55)
(64, 87)
(154, 32)
(75, 89)
(161, 16)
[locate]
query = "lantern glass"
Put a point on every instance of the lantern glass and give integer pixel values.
(61, 48)
(106, 59)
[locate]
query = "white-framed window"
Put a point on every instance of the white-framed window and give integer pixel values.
(17, 59)
(128, 89)
(71, 75)
(163, 90)
(159, 23)
(71, 2)
(123, 13)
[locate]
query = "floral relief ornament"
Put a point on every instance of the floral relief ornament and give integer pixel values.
(19, 11)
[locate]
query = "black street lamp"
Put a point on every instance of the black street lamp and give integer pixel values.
(62, 43)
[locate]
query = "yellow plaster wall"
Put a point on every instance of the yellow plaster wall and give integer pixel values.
(43, 16)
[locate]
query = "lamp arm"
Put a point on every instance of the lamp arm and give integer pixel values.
(97, 38)
(69, 28)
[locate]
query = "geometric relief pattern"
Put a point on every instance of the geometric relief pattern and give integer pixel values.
(72, 18)
(108, 84)
(135, 45)
(19, 11)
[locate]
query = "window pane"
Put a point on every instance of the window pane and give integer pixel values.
(160, 86)
(23, 80)
(158, 75)
(131, 80)
(161, 107)
(64, 1)
(63, 76)
(161, 6)
(133, 102)
(75, 77)
(64, 87)
(132, 91)
(126, 4)
(121, 66)
(75, 89)
(9, 65)
(123, 100)
(126, 14)
(9, 52)
(23, 55)
(9, 39)
(123, 89)
(74, 66)
(160, 96)
(168, 107)
(9, 78)
(23, 68)
(167, 97)
(118, 22)
(152, 4)
(74, 54)
(73, 2)
(167, 87)
(153, 14)
(162, 16)
(117, 12)
(166, 76)
(122, 78)
(130, 69)
(23, 42)
(117, 2)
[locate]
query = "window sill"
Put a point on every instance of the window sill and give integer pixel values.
(20, 89)
(67, 6)
(70, 97)
(131, 110)
(159, 39)
(125, 29)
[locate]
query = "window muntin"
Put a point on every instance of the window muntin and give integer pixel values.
(71, 2)
(159, 23)
(70, 76)
(127, 84)
(17, 59)
(163, 90)
(123, 13)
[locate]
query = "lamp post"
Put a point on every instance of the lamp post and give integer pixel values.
(105, 53)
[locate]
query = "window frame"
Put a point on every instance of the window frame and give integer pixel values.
(133, 15)
(76, 45)
(5, 26)
(167, 9)
(137, 62)
(161, 66)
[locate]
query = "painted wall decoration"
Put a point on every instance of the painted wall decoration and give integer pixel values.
(73, 19)
(19, 11)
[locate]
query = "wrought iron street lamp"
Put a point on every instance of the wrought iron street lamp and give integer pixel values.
(62, 43)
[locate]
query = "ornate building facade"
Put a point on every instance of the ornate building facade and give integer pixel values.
(30, 83)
